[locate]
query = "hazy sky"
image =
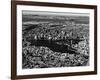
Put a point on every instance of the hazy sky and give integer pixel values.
(26, 12)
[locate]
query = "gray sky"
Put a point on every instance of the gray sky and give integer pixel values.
(26, 12)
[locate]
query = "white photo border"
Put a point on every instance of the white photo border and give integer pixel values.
(21, 71)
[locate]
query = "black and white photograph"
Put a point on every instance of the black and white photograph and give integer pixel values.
(54, 40)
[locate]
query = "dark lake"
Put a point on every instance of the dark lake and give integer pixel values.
(52, 45)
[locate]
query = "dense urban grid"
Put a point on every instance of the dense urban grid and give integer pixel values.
(54, 41)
